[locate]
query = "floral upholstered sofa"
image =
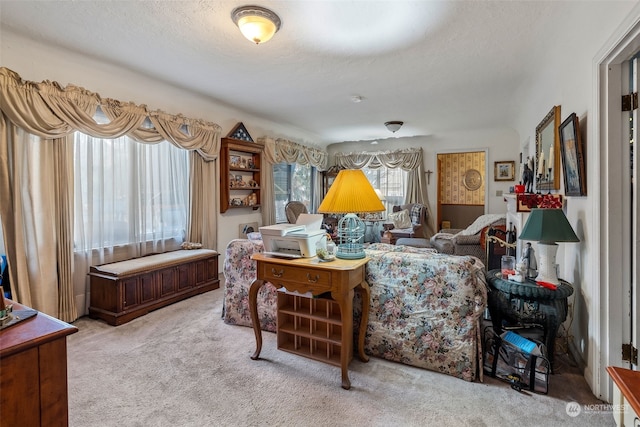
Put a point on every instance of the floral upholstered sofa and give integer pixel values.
(425, 307)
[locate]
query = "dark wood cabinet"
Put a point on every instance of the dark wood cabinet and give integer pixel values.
(33, 363)
(240, 168)
(120, 298)
(328, 177)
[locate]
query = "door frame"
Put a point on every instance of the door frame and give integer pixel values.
(606, 316)
(485, 182)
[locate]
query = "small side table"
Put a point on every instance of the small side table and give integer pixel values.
(550, 306)
(342, 278)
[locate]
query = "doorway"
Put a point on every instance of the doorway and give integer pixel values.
(461, 188)
(616, 206)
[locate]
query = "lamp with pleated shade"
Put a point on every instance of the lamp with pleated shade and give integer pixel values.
(548, 226)
(351, 193)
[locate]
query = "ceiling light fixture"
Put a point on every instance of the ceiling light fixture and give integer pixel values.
(256, 23)
(394, 125)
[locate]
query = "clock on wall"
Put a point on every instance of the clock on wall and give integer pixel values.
(472, 179)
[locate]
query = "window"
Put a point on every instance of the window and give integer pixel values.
(391, 182)
(127, 192)
(292, 182)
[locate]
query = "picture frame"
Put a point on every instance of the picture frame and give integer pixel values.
(572, 157)
(234, 161)
(547, 163)
(505, 170)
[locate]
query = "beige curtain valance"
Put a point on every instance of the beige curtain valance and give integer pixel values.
(281, 150)
(50, 111)
(407, 159)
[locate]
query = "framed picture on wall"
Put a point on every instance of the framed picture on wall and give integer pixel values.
(572, 157)
(505, 171)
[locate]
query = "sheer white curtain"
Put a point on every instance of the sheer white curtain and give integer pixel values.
(53, 113)
(131, 199)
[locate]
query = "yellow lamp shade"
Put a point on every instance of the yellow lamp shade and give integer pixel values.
(351, 192)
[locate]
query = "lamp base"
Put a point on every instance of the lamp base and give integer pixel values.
(547, 263)
(350, 251)
(350, 235)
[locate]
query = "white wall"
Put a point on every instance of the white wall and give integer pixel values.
(566, 78)
(501, 144)
(36, 62)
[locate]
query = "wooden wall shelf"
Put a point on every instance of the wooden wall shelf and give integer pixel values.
(240, 169)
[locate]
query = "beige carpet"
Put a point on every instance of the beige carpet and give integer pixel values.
(182, 366)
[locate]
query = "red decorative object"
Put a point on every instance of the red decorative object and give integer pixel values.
(526, 202)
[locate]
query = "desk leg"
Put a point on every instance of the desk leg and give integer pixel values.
(345, 301)
(366, 295)
(253, 310)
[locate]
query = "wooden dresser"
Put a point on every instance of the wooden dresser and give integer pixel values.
(33, 372)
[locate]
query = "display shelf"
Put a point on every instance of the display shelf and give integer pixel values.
(310, 327)
(240, 169)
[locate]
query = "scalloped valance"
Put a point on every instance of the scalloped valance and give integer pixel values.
(50, 111)
(281, 150)
(407, 159)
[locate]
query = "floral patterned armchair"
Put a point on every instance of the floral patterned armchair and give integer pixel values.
(416, 227)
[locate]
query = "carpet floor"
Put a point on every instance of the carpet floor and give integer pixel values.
(183, 366)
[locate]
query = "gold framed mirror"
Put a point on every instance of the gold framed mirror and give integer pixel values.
(547, 168)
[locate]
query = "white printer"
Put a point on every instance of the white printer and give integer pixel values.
(293, 240)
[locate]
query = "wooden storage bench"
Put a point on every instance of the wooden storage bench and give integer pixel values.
(122, 291)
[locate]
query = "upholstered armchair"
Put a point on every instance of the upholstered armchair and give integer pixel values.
(469, 241)
(409, 220)
(293, 210)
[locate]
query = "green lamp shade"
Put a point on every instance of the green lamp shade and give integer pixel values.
(548, 225)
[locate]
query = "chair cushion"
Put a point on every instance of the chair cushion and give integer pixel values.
(401, 219)
(415, 214)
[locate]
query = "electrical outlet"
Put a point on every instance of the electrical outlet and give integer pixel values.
(248, 227)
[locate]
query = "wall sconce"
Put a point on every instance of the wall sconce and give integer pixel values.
(256, 23)
(394, 125)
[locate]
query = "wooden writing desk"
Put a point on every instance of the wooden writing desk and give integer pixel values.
(33, 372)
(339, 277)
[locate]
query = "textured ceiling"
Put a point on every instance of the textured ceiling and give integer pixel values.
(436, 65)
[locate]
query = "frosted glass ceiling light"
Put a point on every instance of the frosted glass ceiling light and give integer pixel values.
(394, 125)
(256, 23)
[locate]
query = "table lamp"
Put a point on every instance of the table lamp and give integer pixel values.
(548, 226)
(351, 193)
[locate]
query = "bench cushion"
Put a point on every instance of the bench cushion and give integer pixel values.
(151, 262)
